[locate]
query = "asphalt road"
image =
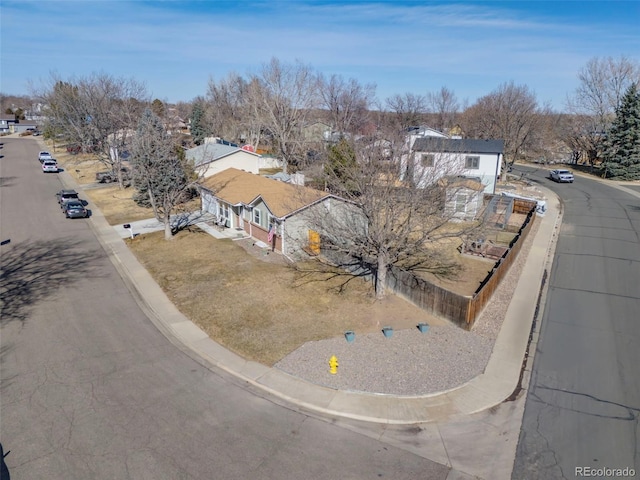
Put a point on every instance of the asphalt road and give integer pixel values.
(584, 398)
(90, 389)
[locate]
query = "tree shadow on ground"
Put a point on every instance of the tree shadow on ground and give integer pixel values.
(184, 220)
(32, 271)
(7, 181)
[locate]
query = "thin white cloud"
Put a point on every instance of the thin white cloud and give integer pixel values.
(468, 47)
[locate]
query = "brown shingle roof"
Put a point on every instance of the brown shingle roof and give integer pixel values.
(239, 187)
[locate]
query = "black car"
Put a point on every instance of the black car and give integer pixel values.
(75, 209)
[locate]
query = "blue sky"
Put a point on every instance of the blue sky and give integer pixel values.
(175, 47)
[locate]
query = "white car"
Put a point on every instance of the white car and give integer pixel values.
(561, 176)
(50, 166)
(42, 156)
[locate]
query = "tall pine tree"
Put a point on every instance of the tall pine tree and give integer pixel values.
(198, 128)
(621, 156)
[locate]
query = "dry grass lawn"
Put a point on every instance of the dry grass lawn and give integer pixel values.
(82, 167)
(117, 204)
(262, 310)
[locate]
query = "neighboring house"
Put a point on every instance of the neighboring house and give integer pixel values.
(316, 132)
(23, 126)
(422, 131)
(9, 124)
(433, 157)
(257, 206)
(173, 122)
(6, 123)
(212, 158)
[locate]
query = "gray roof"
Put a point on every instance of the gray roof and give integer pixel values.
(209, 152)
(280, 176)
(458, 145)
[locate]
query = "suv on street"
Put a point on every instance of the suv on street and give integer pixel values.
(42, 156)
(65, 196)
(561, 176)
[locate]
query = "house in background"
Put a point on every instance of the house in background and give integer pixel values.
(214, 157)
(10, 124)
(422, 131)
(274, 212)
(433, 157)
(6, 123)
(316, 132)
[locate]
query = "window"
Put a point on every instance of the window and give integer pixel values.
(257, 216)
(427, 159)
(461, 203)
(223, 210)
(472, 162)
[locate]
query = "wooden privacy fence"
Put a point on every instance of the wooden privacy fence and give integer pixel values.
(460, 309)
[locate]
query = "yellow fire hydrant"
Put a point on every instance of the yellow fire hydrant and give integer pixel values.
(333, 365)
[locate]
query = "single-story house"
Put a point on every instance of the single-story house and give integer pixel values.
(434, 157)
(211, 158)
(6, 123)
(9, 124)
(277, 213)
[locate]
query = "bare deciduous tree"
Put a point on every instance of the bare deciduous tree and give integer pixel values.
(444, 105)
(347, 102)
(97, 113)
(509, 113)
(281, 98)
(407, 110)
(228, 111)
(387, 222)
(603, 82)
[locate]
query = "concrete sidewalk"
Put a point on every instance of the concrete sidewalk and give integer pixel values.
(499, 380)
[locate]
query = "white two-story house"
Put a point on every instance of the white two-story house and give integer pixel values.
(432, 158)
(465, 168)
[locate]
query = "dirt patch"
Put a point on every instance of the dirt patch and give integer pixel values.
(472, 272)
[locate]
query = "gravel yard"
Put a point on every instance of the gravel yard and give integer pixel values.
(410, 362)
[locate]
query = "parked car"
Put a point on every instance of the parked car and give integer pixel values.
(74, 209)
(66, 195)
(42, 156)
(106, 177)
(111, 176)
(50, 166)
(561, 176)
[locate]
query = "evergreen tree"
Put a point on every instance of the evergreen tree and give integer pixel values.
(160, 176)
(341, 163)
(621, 156)
(198, 130)
(157, 107)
